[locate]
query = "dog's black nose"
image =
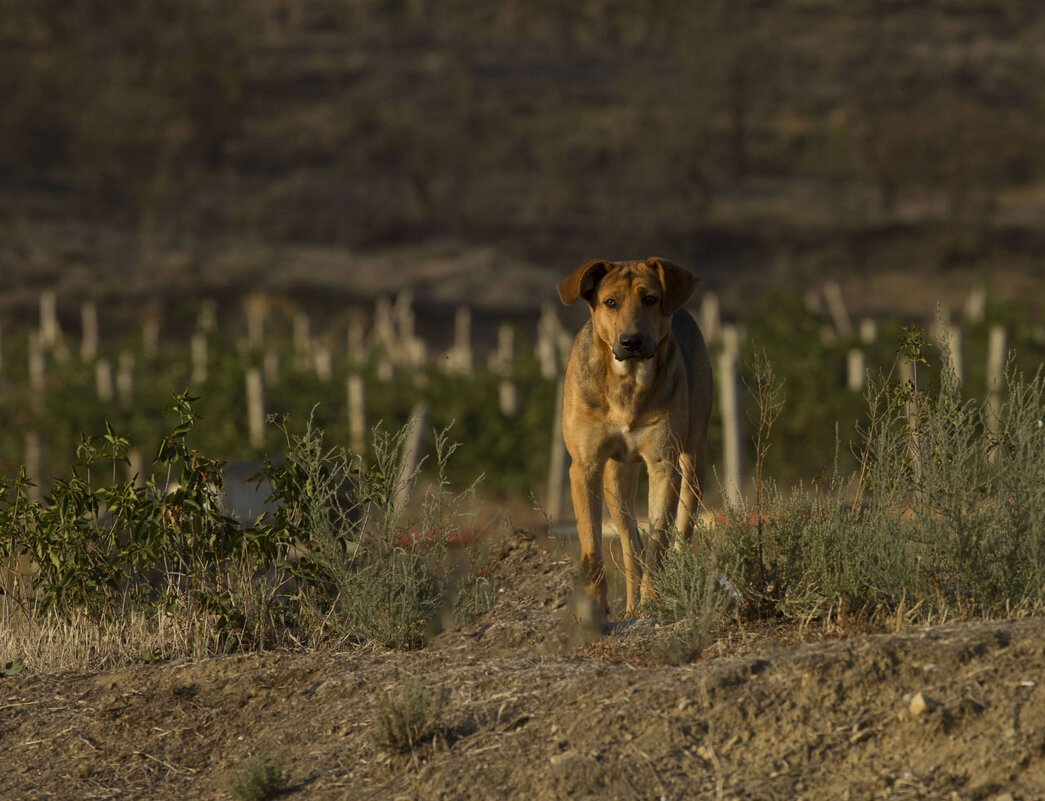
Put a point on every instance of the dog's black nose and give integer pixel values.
(630, 342)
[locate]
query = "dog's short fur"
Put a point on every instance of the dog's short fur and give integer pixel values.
(637, 390)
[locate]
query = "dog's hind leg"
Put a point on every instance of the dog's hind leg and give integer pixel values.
(621, 484)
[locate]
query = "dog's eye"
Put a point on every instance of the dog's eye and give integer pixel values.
(651, 300)
(610, 303)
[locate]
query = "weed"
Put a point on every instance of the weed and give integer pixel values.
(409, 717)
(261, 780)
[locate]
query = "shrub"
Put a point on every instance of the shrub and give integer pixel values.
(262, 779)
(411, 716)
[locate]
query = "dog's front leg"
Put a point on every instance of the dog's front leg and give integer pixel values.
(586, 490)
(663, 501)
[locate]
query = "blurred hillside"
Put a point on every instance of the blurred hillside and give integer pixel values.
(779, 139)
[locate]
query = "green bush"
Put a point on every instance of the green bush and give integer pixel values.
(943, 515)
(335, 559)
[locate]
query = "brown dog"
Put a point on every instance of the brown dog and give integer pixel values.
(638, 390)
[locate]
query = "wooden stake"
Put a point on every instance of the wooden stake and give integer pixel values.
(547, 337)
(411, 459)
(836, 306)
(502, 361)
(709, 317)
(34, 460)
(103, 380)
(256, 311)
(255, 408)
(856, 370)
(136, 467)
(50, 332)
(89, 342)
(868, 331)
(151, 333)
(459, 359)
(37, 364)
(729, 404)
(323, 362)
(996, 354)
(207, 316)
(199, 358)
(125, 379)
(976, 305)
(356, 414)
(302, 341)
(557, 466)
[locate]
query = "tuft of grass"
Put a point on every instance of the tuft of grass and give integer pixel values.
(262, 779)
(410, 716)
(371, 573)
(943, 517)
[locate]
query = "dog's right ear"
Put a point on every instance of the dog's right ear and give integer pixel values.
(583, 282)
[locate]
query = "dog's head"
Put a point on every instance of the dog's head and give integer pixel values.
(631, 302)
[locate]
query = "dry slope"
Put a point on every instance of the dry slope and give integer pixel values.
(950, 712)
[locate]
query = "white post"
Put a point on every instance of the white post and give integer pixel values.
(868, 331)
(50, 332)
(136, 467)
(255, 408)
(356, 336)
(270, 364)
(547, 336)
(557, 462)
(151, 334)
(976, 304)
(836, 306)
(856, 370)
(459, 359)
(103, 380)
(909, 375)
(37, 364)
(729, 403)
(207, 316)
(995, 374)
(125, 379)
(710, 317)
(950, 339)
(199, 358)
(502, 362)
(356, 414)
(255, 309)
(323, 362)
(411, 459)
(302, 341)
(89, 342)
(34, 460)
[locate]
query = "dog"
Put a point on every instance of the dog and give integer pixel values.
(637, 390)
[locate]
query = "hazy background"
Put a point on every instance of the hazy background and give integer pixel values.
(333, 149)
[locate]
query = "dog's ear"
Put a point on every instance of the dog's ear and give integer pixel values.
(583, 282)
(678, 283)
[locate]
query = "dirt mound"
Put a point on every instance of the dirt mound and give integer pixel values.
(950, 712)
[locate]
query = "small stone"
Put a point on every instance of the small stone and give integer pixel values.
(921, 703)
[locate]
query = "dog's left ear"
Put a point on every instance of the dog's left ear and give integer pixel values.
(678, 283)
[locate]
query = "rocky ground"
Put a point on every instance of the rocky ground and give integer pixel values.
(539, 710)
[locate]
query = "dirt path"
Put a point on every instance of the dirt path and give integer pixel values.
(536, 713)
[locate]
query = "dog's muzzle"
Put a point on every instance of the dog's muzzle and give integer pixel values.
(633, 346)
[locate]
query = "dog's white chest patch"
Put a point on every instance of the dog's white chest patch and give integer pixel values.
(639, 369)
